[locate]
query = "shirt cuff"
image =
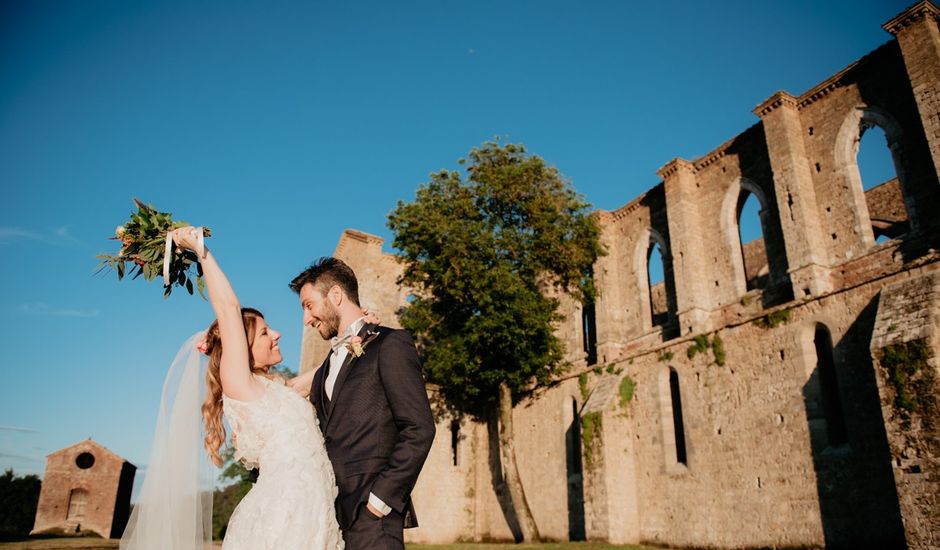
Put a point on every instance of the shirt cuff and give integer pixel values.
(377, 503)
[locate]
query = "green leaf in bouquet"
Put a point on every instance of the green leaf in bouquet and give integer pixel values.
(166, 291)
(105, 262)
(143, 242)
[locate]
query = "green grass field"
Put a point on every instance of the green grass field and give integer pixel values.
(543, 546)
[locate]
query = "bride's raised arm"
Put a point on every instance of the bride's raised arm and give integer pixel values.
(235, 373)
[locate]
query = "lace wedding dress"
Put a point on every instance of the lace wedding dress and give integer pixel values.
(291, 504)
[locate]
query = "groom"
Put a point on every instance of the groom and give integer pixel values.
(372, 405)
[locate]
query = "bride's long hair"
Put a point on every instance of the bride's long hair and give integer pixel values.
(212, 406)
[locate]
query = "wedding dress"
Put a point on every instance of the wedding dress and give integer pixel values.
(291, 504)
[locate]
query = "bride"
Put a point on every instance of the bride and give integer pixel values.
(291, 504)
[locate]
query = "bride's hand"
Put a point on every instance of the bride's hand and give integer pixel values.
(301, 384)
(186, 237)
(371, 317)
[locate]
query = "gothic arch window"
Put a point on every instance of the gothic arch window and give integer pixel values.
(829, 387)
(589, 331)
(869, 155)
(746, 217)
(656, 284)
(659, 312)
(879, 180)
(753, 245)
(78, 499)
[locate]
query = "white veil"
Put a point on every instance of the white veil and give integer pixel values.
(174, 509)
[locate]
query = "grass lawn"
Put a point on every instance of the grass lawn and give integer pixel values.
(543, 546)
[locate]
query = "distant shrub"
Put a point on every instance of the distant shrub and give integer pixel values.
(19, 498)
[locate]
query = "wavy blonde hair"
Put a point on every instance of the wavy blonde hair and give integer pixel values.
(212, 405)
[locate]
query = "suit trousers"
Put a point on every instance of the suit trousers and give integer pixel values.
(369, 532)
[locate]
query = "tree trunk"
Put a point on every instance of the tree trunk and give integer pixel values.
(530, 531)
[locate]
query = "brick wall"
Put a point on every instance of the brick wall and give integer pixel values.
(100, 487)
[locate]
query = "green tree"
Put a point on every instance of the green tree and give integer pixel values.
(19, 498)
(485, 255)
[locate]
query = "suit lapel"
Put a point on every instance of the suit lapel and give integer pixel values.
(348, 363)
(319, 387)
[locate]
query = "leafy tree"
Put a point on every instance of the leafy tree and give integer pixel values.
(485, 255)
(19, 498)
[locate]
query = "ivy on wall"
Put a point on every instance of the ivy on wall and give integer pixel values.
(591, 425)
(909, 375)
(701, 344)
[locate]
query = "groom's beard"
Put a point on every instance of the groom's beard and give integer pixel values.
(330, 322)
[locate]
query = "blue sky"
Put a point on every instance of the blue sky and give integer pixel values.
(279, 124)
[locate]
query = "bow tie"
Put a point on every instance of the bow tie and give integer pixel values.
(339, 343)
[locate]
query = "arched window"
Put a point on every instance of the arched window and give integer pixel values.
(678, 425)
(589, 332)
(659, 310)
(654, 270)
(879, 178)
(829, 387)
(78, 499)
(750, 218)
(869, 154)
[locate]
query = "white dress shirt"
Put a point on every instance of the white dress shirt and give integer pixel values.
(339, 354)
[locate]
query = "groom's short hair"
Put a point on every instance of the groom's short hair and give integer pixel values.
(326, 272)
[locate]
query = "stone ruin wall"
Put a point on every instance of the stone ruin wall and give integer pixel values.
(762, 467)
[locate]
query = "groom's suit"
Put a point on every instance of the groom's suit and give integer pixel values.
(378, 429)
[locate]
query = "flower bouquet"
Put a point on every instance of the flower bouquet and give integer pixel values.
(146, 251)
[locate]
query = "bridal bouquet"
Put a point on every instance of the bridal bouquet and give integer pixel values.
(146, 251)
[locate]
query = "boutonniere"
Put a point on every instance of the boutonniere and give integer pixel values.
(357, 345)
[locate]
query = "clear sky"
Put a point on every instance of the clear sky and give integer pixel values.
(279, 124)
